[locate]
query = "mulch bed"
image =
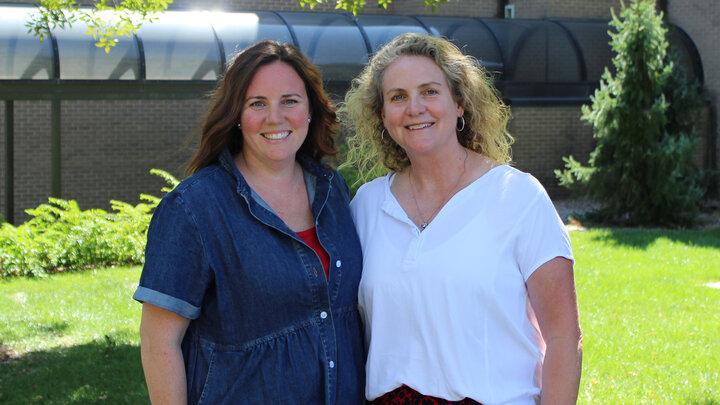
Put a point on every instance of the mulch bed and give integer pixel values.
(569, 209)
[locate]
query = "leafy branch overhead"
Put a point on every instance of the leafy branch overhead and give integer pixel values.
(106, 21)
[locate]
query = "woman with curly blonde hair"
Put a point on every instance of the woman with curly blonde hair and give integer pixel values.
(467, 291)
(485, 115)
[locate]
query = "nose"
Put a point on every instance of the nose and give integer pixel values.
(274, 114)
(416, 106)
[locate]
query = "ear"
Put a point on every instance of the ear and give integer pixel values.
(460, 111)
(382, 116)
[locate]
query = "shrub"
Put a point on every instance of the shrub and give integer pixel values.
(60, 236)
(644, 121)
(349, 173)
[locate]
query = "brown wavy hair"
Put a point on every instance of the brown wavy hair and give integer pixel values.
(220, 127)
(486, 116)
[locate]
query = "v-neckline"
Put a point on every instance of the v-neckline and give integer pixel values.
(405, 217)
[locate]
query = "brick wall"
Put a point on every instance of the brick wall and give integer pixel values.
(461, 8)
(582, 8)
(246, 5)
(33, 178)
(142, 134)
(529, 8)
(564, 8)
(108, 149)
(701, 20)
(543, 135)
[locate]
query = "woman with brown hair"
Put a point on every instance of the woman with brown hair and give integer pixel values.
(252, 265)
(467, 292)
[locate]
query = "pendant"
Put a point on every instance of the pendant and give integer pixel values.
(424, 225)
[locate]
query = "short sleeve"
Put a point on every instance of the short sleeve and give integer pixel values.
(175, 275)
(542, 236)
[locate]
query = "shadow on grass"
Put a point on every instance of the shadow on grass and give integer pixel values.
(642, 238)
(695, 401)
(53, 328)
(99, 372)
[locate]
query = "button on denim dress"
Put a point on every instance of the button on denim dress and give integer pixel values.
(266, 326)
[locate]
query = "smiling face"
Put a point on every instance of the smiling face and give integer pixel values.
(275, 113)
(419, 111)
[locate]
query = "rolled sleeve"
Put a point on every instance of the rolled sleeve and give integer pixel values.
(165, 301)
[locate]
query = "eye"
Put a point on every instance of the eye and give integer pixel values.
(397, 97)
(290, 101)
(256, 104)
(431, 92)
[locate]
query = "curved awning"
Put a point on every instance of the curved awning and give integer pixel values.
(549, 59)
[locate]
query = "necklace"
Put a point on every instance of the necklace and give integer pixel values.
(425, 222)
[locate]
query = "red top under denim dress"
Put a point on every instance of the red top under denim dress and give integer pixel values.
(310, 237)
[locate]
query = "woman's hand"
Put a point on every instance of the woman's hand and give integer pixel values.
(161, 332)
(551, 289)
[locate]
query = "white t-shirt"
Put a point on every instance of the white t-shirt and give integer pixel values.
(446, 310)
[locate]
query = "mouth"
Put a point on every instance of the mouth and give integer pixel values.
(420, 126)
(276, 135)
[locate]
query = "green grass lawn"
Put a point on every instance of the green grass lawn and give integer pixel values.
(652, 329)
(71, 339)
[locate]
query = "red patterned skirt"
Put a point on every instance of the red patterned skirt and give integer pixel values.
(405, 395)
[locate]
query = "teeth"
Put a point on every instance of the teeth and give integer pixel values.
(419, 126)
(277, 135)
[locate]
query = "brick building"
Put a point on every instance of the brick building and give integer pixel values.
(96, 140)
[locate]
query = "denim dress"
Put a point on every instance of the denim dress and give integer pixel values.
(266, 326)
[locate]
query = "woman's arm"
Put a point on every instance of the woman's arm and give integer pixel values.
(161, 332)
(551, 289)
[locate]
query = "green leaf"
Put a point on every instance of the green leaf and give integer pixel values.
(128, 14)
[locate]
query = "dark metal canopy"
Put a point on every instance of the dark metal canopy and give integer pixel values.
(183, 53)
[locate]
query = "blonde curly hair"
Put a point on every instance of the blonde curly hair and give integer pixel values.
(485, 115)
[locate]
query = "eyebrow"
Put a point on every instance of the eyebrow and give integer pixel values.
(283, 96)
(420, 86)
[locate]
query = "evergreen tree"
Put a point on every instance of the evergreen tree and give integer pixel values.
(641, 167)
